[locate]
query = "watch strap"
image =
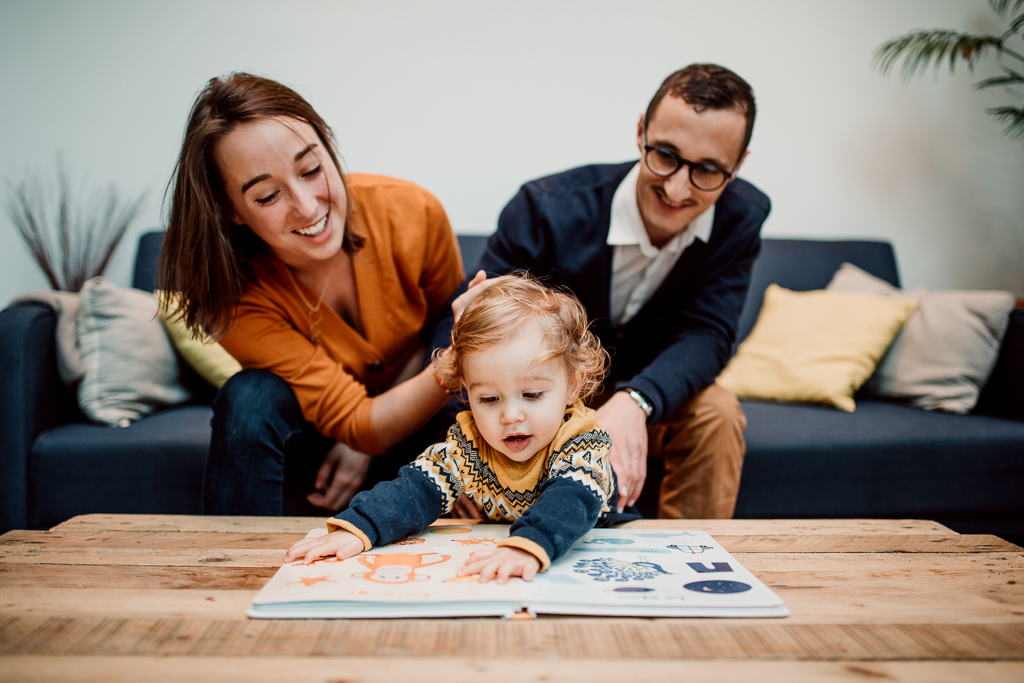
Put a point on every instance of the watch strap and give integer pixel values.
(641, 400)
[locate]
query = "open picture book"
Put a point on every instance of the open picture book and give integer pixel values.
(610, 572)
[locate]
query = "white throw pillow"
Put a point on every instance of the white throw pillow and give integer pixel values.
(947, 349)
(130, 365)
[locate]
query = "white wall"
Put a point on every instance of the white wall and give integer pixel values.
(471, 98)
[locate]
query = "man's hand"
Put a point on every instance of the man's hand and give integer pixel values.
(626, 423)
(341, 544)
(339, 478)
(501, 564)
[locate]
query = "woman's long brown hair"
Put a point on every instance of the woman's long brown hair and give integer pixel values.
(206, 258)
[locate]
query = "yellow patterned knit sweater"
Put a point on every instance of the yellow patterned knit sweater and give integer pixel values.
(573, 470)
(466, 465)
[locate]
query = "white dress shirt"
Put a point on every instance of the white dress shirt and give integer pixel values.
(638, 267)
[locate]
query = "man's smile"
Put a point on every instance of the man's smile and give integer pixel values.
(671, 206)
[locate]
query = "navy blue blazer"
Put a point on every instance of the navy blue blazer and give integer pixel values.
(679, 341)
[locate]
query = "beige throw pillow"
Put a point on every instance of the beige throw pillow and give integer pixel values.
(130, 365)
(210, 360)
(814, 347)
(946, 352)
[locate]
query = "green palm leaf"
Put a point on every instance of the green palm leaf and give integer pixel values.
(1000, 6)
(921, 48)
(1008, 78)
(1013, 117)
(1015, 26)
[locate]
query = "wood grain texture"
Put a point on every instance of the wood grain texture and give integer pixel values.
(194, 557)
(638, 639)
(117, 597)
(811, 602)
(768, 527)
(14, 543)
(100, 669)
(223, 524)
(300, 525)
(150, 539)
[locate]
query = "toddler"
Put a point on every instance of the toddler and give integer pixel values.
(527, 451)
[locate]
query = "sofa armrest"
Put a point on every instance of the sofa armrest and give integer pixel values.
(1003, 395)
(32, 399)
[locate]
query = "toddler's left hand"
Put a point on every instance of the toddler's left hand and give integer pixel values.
(501, 564)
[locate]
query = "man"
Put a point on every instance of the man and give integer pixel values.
(659, 252)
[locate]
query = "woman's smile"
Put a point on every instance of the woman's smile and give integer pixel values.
(316, 229)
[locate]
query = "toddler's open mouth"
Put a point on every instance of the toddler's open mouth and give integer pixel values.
(517, 442)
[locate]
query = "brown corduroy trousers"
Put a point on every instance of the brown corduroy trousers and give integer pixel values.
(701, 443)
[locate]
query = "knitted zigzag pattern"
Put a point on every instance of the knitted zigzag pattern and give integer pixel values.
(461, 467)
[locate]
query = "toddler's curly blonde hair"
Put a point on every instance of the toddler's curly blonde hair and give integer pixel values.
(513, 304)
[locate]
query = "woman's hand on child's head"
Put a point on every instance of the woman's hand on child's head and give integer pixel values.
(501, 564)
(341, 544)
(478, 284)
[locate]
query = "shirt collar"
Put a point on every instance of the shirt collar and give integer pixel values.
(627, 227)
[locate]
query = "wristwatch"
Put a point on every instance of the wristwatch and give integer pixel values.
(640, 399)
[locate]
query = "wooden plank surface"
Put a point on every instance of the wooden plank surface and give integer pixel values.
(819, 602)
(98, 669)
(638, 639)
(786, 549)
(300, 525)
(116, 597)
(149, 539)
(189, 541)
(221, 524)
(98, 568)
(844, 588)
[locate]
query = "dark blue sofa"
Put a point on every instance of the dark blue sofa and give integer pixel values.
(884, 460)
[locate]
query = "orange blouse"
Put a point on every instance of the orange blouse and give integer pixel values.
(405, 273)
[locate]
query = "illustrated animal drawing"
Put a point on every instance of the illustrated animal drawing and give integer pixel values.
(395, 567)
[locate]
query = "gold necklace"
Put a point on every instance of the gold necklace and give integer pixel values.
(316, 318)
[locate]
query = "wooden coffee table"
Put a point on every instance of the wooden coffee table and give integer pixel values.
(163, 598)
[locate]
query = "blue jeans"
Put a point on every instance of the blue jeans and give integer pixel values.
(264, 454)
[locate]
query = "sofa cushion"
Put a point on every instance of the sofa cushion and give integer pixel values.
(130, 365)
(154, 466)
(945, 353)
(885, 460)
(815, 347)
(210, 360)
(803, 265)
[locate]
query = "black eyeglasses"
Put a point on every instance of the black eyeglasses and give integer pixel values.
(664, 162)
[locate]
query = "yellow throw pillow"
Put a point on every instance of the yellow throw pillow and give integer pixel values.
(207, 357)
(814, 347)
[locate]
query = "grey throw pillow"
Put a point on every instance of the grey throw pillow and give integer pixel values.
(947, 348)
(130, 365)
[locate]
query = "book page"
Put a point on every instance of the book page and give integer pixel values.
(419, 569)
(615, 572)
(648, 571)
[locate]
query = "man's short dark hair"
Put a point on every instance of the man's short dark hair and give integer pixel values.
(709, 86)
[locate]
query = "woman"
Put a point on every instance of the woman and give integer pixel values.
(325, 287)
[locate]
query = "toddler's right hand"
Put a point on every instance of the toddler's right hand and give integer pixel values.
(341, 544)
